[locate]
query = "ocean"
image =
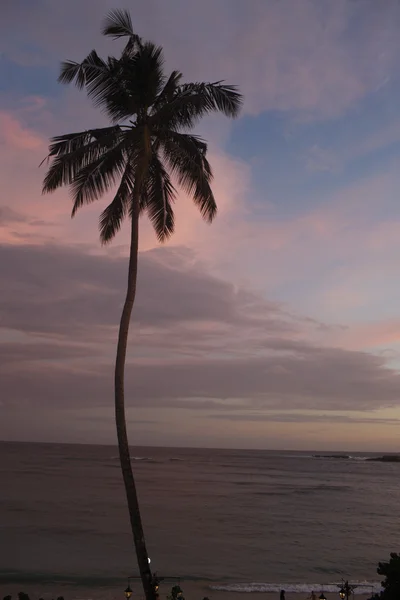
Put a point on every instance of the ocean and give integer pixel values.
(235, 520)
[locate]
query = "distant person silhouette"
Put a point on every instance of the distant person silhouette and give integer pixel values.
(312, 596)
(282, 595)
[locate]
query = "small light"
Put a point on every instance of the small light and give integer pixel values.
(149, 559)
(156, 587)
(322, 596)
(342, 594)
(128, 592)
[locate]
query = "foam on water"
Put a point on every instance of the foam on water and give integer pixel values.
(363, 587)
(339, 457)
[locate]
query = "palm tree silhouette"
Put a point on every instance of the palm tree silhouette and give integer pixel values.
(146, 146)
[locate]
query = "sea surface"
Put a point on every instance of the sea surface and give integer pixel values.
(239, 520)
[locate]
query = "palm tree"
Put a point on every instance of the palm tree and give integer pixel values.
(145, 150)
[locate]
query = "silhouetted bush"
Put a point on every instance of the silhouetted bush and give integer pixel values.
(391, 571)
(176, 593)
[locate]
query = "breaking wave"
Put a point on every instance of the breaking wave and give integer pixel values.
(339, 457)
(363, 587)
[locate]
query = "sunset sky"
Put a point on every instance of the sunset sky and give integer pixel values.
(276, 327)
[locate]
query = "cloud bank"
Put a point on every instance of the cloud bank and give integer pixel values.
(197, 342)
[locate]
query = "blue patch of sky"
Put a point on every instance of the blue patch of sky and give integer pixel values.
(298, 165)
(264, 143)
(28, 80)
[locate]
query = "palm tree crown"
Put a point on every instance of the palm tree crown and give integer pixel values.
(148, 143)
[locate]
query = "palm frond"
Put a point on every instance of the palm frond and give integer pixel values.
(219, 97)
(111, 218)
(104, 81)
(192, 101)
(183, 111)
(118, 24)
(110, 91)
(72, 152)
(107, 86)
(68, 143)
(98, 177)
(186, 157)
(90, 68)
(157, 198)
(70, 70)
(167, 94)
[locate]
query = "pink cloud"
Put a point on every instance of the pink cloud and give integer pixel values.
(22, 148)
(381, 334)
(16, 136)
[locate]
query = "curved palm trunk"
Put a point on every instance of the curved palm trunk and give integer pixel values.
(124, 455)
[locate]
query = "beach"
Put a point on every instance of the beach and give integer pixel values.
(191, 591)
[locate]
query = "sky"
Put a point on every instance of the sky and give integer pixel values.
(278, 326)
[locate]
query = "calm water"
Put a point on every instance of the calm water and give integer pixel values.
(219, 515)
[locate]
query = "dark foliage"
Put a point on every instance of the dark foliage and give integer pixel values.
(176, 593)
(391, 571)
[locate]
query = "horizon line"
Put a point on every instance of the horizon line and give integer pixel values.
(115, 445)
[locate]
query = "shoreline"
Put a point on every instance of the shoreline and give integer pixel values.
(192, 590)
